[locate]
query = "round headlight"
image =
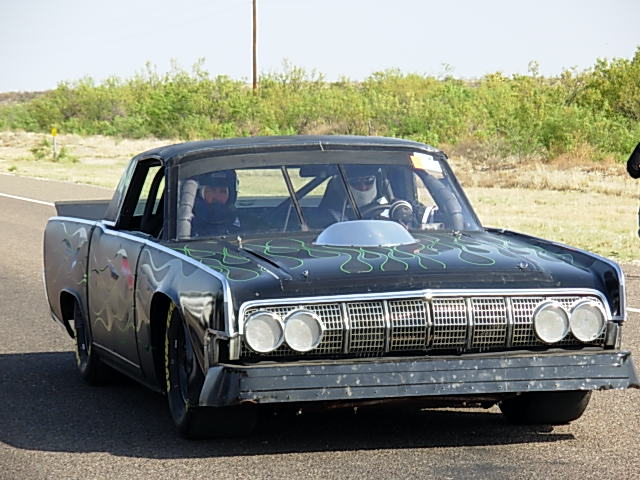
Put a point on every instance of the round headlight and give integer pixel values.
(263, 331)
(303, 330)
(587, 320)
(550, 322)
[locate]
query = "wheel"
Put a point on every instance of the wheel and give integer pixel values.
(400, 211)
(91, 368)
(184, 381)
(550, 408)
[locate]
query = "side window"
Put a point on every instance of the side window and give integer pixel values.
(146, 190)
(143, 209)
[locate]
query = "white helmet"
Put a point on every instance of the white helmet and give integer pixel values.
(362, 183)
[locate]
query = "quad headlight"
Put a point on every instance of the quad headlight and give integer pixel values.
(587, 320)
(303, 330)
(550, 322)
(263, 331)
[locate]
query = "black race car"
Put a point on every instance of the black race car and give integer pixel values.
(326, 271)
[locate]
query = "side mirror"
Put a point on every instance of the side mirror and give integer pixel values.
(633, 164)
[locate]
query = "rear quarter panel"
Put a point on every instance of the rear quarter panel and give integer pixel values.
(66, 250)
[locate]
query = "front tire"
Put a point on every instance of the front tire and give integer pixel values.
(184, 381)
(546, 408)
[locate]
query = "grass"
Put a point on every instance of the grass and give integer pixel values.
(600, 223)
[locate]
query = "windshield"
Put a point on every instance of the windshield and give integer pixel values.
(308, 191)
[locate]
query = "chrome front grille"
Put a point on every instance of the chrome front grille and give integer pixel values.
(370, 328)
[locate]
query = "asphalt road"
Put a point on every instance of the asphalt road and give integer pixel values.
(53, 426)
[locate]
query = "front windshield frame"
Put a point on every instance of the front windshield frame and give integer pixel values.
(341, 159)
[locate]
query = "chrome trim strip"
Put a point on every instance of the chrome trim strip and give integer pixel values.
(74, 219)
(470, 324)
(120, 357)
(430, 322)
(429, 294)
(510, 323)
(387, 326)
(346, 335)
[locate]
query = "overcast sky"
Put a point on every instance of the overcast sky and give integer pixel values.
(44, 42)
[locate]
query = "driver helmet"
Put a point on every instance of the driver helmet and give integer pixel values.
(362, 182)
(219, 187)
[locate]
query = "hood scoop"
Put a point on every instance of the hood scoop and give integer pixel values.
(365, 233)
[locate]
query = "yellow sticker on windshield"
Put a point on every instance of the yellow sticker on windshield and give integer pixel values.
(424, 161)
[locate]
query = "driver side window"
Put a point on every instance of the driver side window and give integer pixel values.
(143, 209)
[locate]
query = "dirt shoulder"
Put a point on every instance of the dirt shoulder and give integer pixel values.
(95, 160)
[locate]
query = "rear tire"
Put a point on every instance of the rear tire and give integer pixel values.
(547, 408)
(91, 368)
(184, 380)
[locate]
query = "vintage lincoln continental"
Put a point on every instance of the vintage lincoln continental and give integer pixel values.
(326, 271)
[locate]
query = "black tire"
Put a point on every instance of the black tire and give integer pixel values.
(546, 408)
(91, 368)
(184, 381)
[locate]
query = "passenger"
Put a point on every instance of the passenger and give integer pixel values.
(214, 211)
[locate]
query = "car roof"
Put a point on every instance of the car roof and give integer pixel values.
(174, 154)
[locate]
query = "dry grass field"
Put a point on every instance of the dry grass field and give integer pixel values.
(588, 205)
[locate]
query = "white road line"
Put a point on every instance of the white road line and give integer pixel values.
(24, 199)
(634, 310)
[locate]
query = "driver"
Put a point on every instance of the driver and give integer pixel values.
(214, 211)
(374, 202)
(363, 184)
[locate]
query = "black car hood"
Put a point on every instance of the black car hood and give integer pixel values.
(291, 265)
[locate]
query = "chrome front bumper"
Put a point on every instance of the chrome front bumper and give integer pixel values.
(413, 377)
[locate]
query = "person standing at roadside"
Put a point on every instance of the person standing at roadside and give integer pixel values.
(633, 164)
(633, 167)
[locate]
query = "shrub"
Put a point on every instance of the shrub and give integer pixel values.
(596, 111)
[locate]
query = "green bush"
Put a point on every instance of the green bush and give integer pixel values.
(519, 115)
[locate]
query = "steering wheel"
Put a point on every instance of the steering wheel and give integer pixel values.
(400, 211)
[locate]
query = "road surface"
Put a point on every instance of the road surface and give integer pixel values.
(54, 426)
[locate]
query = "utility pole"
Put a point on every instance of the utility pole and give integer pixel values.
(255, 56)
